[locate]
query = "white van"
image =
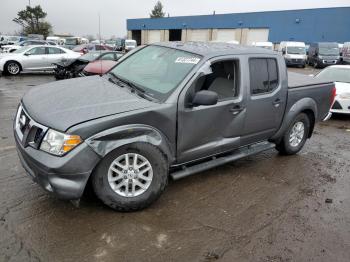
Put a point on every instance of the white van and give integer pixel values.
(346, 52)
(266, 45)
(293, 52)
(130, 44)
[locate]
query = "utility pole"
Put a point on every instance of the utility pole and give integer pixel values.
(29, 2)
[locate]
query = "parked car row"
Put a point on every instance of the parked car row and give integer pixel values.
(18, 45)
(318, 55)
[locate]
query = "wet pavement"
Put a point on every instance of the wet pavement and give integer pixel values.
(262, 208)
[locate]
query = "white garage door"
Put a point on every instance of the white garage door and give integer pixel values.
(225, 35)
(199, 35)
(153, 36)
(257, 35)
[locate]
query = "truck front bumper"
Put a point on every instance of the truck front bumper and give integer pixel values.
(65, 176)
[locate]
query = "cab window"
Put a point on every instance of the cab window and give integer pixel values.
(263, 75)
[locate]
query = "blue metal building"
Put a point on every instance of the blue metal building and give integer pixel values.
(308, 25)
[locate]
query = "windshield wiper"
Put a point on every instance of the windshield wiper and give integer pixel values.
(134, 88)
(116, 80)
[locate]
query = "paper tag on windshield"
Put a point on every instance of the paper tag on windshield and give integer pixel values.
(187, 60)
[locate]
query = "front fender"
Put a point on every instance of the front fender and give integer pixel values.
(301, 105)
(110, 139)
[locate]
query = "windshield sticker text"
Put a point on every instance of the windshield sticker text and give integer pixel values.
(187, 60)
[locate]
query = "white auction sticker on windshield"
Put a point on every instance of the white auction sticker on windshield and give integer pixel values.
(187, 60)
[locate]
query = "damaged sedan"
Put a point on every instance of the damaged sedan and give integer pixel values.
(92, 63)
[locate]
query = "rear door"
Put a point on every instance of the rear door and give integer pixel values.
(266, 100)
(54, 55)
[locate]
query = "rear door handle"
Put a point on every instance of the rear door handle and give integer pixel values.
(236, 109)
(277, 102)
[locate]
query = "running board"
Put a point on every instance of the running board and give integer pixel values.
(218, 161)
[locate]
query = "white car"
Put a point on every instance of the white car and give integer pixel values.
(340, 74)
(34, 58)
(266, 45)
(18, 45)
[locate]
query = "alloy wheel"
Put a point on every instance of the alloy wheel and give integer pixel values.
(130, 175)
(297, 134)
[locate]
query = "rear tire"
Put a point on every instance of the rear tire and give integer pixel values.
(125, 186)
(12, 68)
(295, 137)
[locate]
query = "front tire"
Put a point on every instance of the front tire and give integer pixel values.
(295, 137)
(12, 68)
(131, 178)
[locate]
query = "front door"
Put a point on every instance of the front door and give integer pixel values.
(35, 58)
(209, 130)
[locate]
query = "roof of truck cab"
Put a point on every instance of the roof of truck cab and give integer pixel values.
(212, 49)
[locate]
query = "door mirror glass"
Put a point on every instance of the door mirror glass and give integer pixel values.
(283, 51)
(205, 98)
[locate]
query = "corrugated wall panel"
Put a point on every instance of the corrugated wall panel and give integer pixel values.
(309, 25)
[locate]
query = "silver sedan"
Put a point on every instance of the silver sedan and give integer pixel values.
(34, 58)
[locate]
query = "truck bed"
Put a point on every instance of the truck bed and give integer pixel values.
(305, 87)
(296, 80)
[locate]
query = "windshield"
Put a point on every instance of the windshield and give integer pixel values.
(329, 51)
(21, 50)
(157, 70)
(71, 41)
(296, 50)
(91, 56)
(335, 74)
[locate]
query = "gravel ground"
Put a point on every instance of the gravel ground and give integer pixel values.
(262, 208)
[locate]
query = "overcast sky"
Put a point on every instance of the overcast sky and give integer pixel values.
(80, 17)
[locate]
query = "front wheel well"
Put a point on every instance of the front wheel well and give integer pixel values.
(311, 115)
(20, 66)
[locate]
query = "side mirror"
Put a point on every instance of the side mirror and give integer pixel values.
(283, 52)
(26, 54)
(205, 98)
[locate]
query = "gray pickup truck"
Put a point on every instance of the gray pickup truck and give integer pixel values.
(169, 109)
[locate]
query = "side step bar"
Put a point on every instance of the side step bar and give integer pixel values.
(218, 161)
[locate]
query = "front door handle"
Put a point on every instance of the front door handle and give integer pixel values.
(277, 102)
(236, 109)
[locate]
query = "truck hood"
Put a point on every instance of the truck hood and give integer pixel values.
(62, 104)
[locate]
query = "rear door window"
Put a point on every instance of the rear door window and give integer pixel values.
(263, 75)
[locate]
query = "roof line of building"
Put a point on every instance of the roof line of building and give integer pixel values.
(251, 12)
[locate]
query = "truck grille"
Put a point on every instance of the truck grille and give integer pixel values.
(29, 132)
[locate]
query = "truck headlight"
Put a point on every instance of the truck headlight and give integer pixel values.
(58, 143)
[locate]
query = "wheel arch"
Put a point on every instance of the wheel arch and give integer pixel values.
(305, 105)
(9, 61)
(106, 141)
